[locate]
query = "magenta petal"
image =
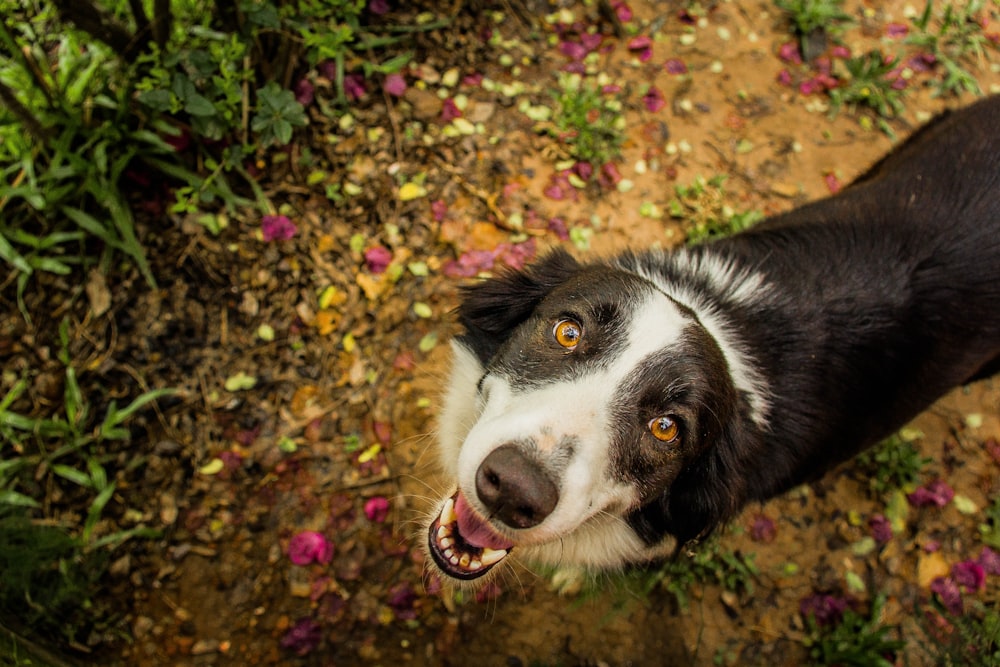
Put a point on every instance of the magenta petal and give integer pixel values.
(881, 528)
(675, 66)
(378, 7)
(896, 30)
(277, 228)
(936, 493)
(573, 50)
(303, 637)
(377, 509)
(989, 560)
(763, 529)
(377, 259)
(394, 84)
(653, 99)
(354, 86)
(970, 575)
(310, 547)
(947, 591)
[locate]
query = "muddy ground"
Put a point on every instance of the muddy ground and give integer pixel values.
(335, 409)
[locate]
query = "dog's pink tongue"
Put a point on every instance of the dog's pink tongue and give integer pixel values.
(475, 530)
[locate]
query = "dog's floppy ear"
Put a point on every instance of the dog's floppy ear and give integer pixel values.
(490, 310)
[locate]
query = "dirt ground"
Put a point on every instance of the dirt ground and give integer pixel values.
(340, 414)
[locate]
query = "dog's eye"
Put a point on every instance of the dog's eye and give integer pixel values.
(567, 333)
(664, 429)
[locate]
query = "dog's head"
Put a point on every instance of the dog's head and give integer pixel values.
(586, 422)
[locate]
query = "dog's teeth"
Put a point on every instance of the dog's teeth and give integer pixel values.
(449, 553)
(453, 560)
(491, 556)
(464, 560)
(448, 515)
(475, 565)
(443, 532)
(445, 542)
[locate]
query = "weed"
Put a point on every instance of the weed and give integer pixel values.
(853, 640)
(870, 82)
(989, 530)
(587, 120)
(957, 42)
(52, 562)
(970, 638)
(708, 564)
(702, 206)
(814, 22)
(895, 463)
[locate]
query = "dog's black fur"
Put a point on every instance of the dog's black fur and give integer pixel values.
(872, 304)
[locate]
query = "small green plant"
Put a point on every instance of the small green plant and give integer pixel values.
(52, 560)
(957, 43)
(587, 120)
(705, 214)
(814, 22)
(957, 640)
(895, 463)
(708, 564)
(869, 83)
(854, 640)
(989, 530)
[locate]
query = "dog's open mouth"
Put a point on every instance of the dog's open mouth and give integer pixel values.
(462, 543)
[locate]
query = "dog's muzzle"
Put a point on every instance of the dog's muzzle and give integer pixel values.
(514, 490)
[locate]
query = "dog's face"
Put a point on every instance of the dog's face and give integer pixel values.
(578, 397)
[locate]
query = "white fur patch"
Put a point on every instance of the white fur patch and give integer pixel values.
(739, 286)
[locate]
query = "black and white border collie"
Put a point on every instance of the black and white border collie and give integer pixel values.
(607, 412)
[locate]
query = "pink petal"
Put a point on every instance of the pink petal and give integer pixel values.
(990, 561)
(675, 66)
(439, 209)
(304, 92)
(378, 7)
(896, 30)
(377, 259)
(789, 52)
(936, 493)
(377, 509)
(947, 591)
(394, 84)
(449, 110)
(763, 529)
(277, 228)
(881, 528)
(573, 50)
(309, 547)
(354, 86)
(970, 575)
(653, 99)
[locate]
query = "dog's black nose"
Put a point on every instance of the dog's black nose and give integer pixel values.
(514, 488)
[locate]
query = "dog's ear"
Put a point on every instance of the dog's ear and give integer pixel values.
(492, 309)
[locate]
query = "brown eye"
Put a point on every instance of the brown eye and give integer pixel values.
(567, 333)
(664, 429)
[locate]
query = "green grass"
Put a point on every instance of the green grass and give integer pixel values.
(856, 640)
(971, 639)
(705, 215)
(56, 484)
(895, 463)
(954, 36)
(589, 121)
(814, 22)
(707, 565)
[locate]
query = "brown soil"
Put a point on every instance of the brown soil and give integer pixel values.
(353, 380)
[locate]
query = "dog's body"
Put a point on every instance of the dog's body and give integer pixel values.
(604, 413)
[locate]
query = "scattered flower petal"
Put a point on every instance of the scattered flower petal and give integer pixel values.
(881, 528)
(304, 92)
(642, 46)
(277, 228)
(377, 509)
(303, 637)
(410, 191)
(896, 30)
(653, 99)
(675, 66)
(936, 493)
(989, 560)
(354, 87)
(394, 84)
(763, 529)
(970, 575)
(310, 547)
(378, 7)
(450, 110)
(789, 53)
(826, 609)
(377, 259)
(947, 591)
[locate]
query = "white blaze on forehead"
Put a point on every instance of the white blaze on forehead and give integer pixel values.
(736, 285)
(573, 412)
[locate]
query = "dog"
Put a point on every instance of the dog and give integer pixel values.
(605, 413)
